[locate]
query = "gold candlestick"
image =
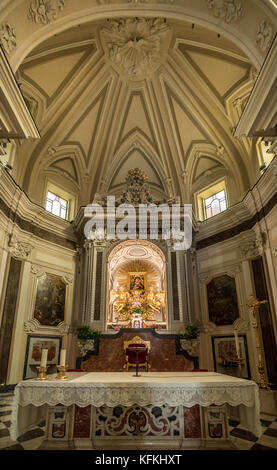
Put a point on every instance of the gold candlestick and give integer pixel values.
(42, 372)
(62, 373)
(239, 362)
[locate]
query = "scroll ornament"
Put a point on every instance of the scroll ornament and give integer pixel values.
(264, 35)
(45, 11)
(228, 10)
(7, 37)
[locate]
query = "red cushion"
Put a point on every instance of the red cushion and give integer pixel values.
(134, 356)
(134, 345)
(75, 370)
(199, 370)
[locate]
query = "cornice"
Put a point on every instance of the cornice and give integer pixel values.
(14, 112)
(255, 115)
(32, 218)
(255, 206)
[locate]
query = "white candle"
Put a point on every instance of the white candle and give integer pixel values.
(62, 359)
(237, 342)
(44, 354)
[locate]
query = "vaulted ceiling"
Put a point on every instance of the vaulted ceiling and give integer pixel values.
(161, 95)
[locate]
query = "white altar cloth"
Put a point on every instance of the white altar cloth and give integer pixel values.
(123, 388)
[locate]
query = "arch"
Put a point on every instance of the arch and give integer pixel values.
(124, 260)
(193, 14)
(200, 150)
(135, 141)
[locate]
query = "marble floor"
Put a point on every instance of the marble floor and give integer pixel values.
(32, 439)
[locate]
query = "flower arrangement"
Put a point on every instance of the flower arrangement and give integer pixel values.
(86, 332)
(137, 310)
(191, 331)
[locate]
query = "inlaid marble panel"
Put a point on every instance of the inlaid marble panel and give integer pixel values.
(138, 421)
(82, 421)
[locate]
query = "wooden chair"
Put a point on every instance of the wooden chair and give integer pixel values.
(137, 350)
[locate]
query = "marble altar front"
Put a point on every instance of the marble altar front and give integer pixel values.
(118, 410)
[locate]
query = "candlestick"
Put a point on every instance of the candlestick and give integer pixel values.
(62, 373)
(42, 372)
(44, 354)
(62, 359)
(237, 342)
(239, 362)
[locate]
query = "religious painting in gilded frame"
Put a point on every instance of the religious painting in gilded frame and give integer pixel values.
(50, 300)
(224, 356)
(222, 300)
(34, 347)
(137, 281)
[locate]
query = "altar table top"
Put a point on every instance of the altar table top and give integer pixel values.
(125, 389)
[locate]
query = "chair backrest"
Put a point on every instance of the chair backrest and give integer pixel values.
(199, 370)
(137, 340)
(136, 353)
(75, 370)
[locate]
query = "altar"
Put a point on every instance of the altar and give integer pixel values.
(121, 411)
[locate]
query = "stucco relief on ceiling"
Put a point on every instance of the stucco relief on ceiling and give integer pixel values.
(135, 45)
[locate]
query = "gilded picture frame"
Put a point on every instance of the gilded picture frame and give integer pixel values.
(222, 300)
(224, 355)
(137, 281)
(35, 344)
(49, 305)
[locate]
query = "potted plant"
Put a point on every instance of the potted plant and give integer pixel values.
(86, 337)
(189, 338)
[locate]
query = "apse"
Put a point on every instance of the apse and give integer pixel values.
(136, 280)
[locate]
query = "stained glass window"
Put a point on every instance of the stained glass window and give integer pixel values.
(56, 205)
(215, 204)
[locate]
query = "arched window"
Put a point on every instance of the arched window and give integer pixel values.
(59, 202)
(56, 205)
(212, 200)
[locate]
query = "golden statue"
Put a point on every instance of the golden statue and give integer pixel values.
(148, 302)
(153, 302)
(122, 298)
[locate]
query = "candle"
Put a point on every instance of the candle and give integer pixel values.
(237, 342)
(44, 354)
(64, 342)
(62, 359)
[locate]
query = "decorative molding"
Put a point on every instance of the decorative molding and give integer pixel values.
(204, 279)
(135, 45)
(33, 325)
(264, 35)
(19, 249)
(135, 2)
(37, 270)
(63, 328)
(241, 325)
(191, 346)
(7, 37)
(253, 247)
(45, 11)
(228, 10)
(85, 345)
(68, 278)
(209, 327)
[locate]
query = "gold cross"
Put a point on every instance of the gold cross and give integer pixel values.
(254, 303)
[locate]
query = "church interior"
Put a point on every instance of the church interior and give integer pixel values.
(133, 342)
